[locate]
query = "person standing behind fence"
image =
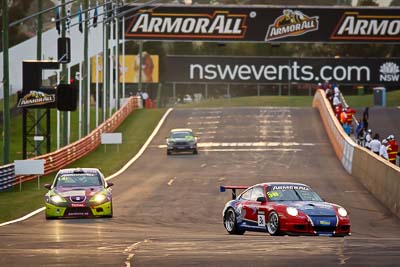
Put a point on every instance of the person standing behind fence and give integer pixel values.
(336, 101)
(383, 149)
(343, 116)
(375, 144)
(368, 139)
(360, 132)
(393, 148)
(145, 96)
(366, 117)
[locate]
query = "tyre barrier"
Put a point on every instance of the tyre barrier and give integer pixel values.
(70, 153)
(378, 175)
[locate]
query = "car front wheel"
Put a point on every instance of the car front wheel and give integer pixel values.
(273, 223)
(230, 223)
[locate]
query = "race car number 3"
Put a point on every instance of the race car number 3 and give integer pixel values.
(261, 219)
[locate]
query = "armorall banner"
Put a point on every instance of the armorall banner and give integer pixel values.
(263, 23)
(281, 70)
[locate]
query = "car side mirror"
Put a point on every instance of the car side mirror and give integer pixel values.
(48, 186)
(109, 184)
(261, 199)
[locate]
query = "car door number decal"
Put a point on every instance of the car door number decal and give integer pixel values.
(261, 219)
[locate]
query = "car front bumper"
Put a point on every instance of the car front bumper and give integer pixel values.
(68, 211)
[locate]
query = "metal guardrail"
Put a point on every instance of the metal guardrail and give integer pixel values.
(68, 154)
(7, 177)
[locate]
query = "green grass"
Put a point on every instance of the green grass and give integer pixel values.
(292, 101)
(135, 131)
(392, 100)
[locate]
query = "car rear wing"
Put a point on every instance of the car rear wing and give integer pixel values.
(223, 188)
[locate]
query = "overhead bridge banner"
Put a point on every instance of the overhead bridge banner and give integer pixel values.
(281, 70)
(262, 23)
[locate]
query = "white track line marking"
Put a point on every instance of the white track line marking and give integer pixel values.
(203, 122)
(171, 181)
(126, 166)
(250, 149)
(129, 250)
(249, 144)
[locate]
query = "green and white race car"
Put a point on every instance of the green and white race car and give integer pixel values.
(79, 192)
(181, 140)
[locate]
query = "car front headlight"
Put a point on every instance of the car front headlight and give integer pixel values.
(57, 199)
(292, 211)
(98, 198)
(342, 212)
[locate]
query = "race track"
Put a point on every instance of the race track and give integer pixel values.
(167, 209)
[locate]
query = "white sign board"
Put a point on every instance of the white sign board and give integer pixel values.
(111, 138)
(29, 167)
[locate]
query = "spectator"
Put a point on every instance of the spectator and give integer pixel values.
(360, 132)
(393, 148)
(140, 93)
(337, 111)
(329, 94)
(383, 149)
(375, 144)
(347, 128)
(336, 101)
(145, 96)
(343, 116)
(350, 113)
(366, 118)
(368, 139)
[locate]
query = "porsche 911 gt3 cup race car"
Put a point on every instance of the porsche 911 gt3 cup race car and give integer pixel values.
(181, 140)
(283, 208)
(79, 192)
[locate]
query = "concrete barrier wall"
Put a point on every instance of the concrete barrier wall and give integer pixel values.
(378, 175)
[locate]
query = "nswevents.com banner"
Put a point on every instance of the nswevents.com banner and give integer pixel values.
(281, 70)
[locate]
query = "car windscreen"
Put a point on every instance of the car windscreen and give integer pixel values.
(78, 180)
(181, 135)
(290, 193)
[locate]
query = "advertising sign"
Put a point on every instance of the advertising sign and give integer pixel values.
(263, 23)
(130, 71)
(39, 98)
(282, 70)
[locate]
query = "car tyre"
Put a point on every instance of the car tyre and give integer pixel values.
(168, 152)
(195, 152)
(230, 223)
(273, 224)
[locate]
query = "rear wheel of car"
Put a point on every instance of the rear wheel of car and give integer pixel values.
(273, 223)
(195, 152)
(230, 223)
(168, 152)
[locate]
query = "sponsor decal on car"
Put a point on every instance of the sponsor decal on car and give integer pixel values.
(354, 26)
(291, 23)
(221, 24)
(290, 187)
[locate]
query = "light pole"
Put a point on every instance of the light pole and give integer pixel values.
(39, 57)
(6, 87)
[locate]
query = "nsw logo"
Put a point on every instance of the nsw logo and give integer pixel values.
(291, 23)
(389, 72)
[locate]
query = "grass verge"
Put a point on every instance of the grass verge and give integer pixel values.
(135, 131)
(392, 100)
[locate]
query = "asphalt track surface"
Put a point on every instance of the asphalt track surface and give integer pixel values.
(167, 209)
(384, 121)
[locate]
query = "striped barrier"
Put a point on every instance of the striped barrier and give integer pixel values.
(378, 175)
(68, 154)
